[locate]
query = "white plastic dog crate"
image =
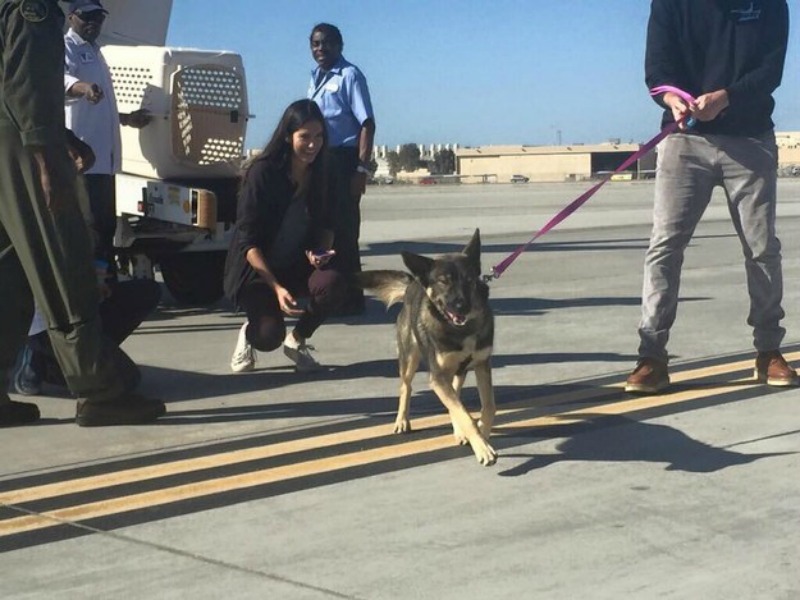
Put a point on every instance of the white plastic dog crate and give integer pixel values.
(198, 100)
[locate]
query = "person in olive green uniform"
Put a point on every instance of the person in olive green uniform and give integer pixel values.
(45, 245)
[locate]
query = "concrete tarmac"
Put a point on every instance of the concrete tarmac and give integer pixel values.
(272, 484)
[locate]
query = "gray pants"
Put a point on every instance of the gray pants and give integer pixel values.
(688, 168)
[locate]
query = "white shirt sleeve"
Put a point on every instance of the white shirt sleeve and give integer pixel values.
(70, 67)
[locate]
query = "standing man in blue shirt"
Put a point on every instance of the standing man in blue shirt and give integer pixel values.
(340, 89)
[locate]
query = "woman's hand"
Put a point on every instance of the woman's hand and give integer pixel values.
(287, 302)
(319, 258)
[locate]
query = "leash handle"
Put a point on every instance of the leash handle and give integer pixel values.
(663, 89)
(685, 96)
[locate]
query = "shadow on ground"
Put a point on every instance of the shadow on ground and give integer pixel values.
(619, 439)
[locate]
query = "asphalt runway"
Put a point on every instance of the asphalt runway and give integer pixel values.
(275, 485)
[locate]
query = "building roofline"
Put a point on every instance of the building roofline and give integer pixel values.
(485, 151)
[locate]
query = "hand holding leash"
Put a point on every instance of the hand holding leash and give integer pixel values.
(681, 103)
(709, 106)
(680, 109)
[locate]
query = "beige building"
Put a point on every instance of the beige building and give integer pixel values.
(787, 139)
(788, 149)
(498, 164)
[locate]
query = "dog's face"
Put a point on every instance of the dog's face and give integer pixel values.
(452, 282)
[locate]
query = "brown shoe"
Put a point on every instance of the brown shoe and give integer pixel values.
(772, 369)
(649, 377)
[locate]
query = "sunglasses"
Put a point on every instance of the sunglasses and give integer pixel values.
(94, 16)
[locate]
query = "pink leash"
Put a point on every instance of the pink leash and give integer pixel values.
(499, 269)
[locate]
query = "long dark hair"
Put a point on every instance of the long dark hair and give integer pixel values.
(278, 151)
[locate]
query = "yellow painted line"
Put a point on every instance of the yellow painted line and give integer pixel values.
(84, 484)
(122, 477)
(188, 465)
(214, 486)
(637, 404)
(155, 498)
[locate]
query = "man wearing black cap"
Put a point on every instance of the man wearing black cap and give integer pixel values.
(45, 249)
(91, 113)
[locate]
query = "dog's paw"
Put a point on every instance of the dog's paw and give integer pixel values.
(486, 430)
(461, 439)
(485, 454)
(402, 425)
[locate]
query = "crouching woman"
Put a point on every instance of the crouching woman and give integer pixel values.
(281, 243)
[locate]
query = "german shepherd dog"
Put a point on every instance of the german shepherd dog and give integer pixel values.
(446, 320)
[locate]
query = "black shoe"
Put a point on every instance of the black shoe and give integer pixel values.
(130, 409)
(18, 413)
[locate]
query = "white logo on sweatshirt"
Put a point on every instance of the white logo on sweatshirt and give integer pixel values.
(751, 13)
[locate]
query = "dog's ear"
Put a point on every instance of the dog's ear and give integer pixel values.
(420, 266)
(473, 249)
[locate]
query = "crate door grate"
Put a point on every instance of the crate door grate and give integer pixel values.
(209, 115)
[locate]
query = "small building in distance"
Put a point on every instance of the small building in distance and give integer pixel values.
(576, 162)
(787, 139)
(788, 152)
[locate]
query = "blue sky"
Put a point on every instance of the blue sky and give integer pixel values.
(460, 71)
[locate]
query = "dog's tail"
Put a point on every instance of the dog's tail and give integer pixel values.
(388, 286)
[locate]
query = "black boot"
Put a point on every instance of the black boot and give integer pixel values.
(17, 413)
(129, 409)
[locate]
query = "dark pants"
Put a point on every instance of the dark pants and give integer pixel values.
(103, 203)
(48, 256)
(346, 212)
(120, 314)
(266, 327)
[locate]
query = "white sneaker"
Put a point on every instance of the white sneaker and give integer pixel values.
(244, 357)
(300, 354)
